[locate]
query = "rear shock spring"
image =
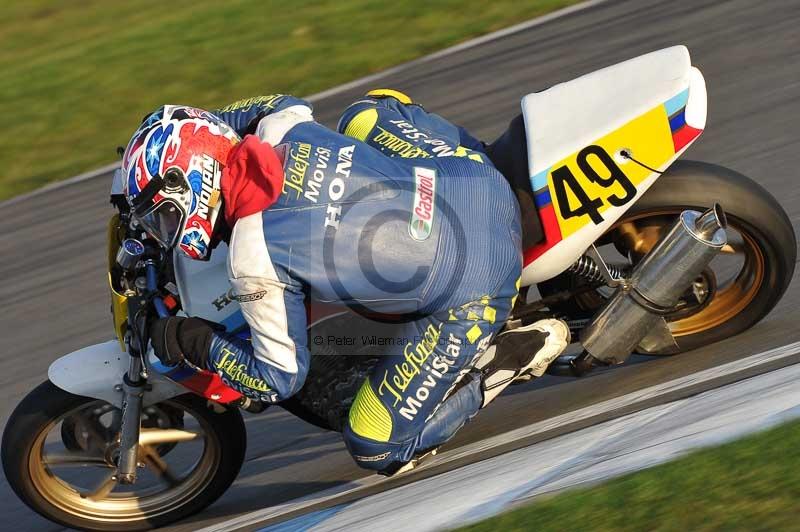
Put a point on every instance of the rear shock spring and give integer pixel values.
(586, 267)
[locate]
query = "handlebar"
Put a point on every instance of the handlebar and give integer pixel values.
(151, 274)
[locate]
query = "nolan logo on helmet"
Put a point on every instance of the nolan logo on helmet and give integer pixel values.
(209, 192)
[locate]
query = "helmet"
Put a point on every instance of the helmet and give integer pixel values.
(171, 173)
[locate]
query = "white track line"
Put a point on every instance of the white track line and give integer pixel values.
(588, 456)
(349, 85)
(585, 413)
(629, 399)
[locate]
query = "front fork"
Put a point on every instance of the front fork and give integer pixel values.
(135, 380)
(133, 388)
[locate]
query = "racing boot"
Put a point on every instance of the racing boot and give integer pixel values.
(521, 354)
(516, 354)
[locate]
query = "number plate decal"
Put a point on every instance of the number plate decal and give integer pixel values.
(573, 194)
(588, 182)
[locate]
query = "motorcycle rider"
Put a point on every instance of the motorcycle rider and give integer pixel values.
(400, 212)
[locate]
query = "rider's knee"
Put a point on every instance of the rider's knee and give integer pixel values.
(368, 432)
(368, 453)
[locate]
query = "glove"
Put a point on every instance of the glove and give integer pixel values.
(175, 339)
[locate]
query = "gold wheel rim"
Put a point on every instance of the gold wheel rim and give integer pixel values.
(727, 302)
(110, 507)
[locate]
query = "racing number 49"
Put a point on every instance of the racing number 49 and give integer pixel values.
(563, 178)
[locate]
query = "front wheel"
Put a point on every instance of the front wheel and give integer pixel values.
(59, 451)
(740, 286)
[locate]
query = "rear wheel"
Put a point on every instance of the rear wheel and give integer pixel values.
(741, 286)
(59, 451)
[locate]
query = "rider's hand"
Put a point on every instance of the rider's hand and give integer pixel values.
(175, 339)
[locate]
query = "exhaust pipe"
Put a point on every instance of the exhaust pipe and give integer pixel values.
(656, 284)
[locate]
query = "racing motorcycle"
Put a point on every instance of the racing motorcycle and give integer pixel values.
(635, 252)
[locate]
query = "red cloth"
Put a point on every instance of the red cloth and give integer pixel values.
(252, 180)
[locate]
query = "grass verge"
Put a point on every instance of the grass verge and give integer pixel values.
(78, 76)
(749, 484)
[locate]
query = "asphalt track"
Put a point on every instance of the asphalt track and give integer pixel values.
(579, 458)
(54, 299)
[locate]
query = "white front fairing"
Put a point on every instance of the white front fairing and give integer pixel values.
(97, 371)
(205, 290)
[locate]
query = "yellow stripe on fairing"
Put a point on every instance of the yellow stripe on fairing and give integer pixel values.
(649, 139)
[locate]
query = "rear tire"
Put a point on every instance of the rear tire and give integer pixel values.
(750, 209)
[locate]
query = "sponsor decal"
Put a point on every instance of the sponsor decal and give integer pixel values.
(249, 298)
(438, 147)
(210, 181)
(376, 458)
(408, 130)
(418, 357)
(337, 185)
(318, 176)
(269, 101)
(223, 301)
(421, 223)
(400, 147)
(235, 373)
(297, 164)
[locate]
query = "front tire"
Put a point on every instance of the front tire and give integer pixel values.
(29, 463)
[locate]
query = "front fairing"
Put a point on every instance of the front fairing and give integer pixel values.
(199, 381)
(119, 301)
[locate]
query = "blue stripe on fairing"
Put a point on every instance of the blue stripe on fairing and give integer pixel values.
(674, 104)
(234, 321)
(540, 180)
(677, 121)
(177, 374)
(542, 198)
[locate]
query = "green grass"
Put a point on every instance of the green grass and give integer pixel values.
(77, 76)
(750, 484)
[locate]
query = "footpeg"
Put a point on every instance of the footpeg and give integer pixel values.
(574, 365)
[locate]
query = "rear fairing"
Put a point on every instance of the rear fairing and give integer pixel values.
(651, 107)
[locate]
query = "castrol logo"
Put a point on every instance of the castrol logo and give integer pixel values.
(424, 203)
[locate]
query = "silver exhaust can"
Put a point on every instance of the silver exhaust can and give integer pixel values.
(655, 286)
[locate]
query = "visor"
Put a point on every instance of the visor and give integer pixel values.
(163, 222)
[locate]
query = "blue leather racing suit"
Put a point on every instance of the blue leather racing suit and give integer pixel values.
(399, 212)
